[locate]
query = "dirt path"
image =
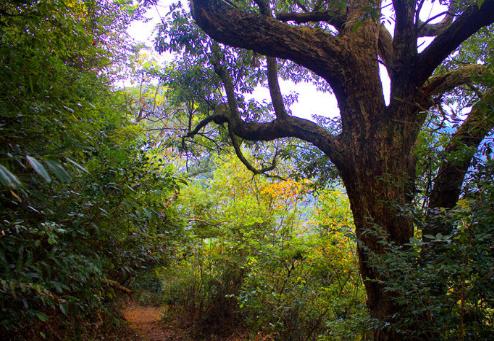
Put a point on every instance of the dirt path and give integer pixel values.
(146, 322)
(148, 325)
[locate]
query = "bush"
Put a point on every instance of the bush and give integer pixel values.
(444, 283)
(205, 293)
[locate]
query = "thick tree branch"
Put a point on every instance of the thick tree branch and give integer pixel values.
(467, 24)
(432, 30)
(446, 82)
(385, 46)
(324, 55)
(334, 17)
(405, 12)
(404, 42)
(476, 127)
(290, 127)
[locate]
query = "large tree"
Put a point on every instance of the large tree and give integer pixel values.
(344, 43)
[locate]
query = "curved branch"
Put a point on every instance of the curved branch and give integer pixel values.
(223, 115)
(201, 125)
(446, 82)
(324, 55)
(290, 127)
(479, 123)
(247, 164)
(432, 30)
(467, 24)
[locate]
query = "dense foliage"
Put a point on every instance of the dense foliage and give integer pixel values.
(448, 294)
(264, 256)
(82, 201)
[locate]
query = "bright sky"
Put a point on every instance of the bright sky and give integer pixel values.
(310, 101)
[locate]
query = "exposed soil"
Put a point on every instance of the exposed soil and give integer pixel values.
(150, 323)
(147, 323)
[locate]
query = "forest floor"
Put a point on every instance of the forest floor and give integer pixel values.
(150, 323)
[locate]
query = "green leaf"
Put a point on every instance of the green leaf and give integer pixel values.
(147, 212)
(64, 308)
(58, 170)
(8, 179)
(70, 298)
(358, 25)
(38, 167)
(58, 287)
(41, 316)
(78, 166)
